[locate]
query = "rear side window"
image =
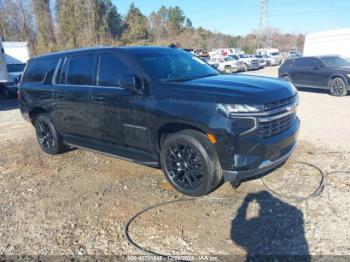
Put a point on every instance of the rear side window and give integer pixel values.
(288, 62)
(39, 70)
(79, 70)
(300, 62)
(111, 69)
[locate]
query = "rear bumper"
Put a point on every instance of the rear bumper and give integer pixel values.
(265, 166)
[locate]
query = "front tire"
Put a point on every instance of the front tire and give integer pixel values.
(48, 138)
(337, 86)
(190, 163)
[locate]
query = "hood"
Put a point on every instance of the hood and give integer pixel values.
(242, 88)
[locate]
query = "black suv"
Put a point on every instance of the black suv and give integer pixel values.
(161, 107)
(326, 72)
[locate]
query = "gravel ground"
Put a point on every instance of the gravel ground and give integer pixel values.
(79, 202)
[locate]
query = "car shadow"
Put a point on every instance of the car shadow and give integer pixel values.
(9, 104)
(275, 230)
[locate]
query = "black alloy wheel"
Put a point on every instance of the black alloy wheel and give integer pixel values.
(45, 136)
(190, 162)
(337, 87)
(185, 166)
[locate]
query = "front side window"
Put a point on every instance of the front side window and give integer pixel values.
(111, 69)
(79, 70)
(173, 65)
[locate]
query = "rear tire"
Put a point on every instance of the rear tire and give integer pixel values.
(190, 163)
(337, 86)
(48, 138)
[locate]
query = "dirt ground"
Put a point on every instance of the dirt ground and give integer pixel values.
(79, 202)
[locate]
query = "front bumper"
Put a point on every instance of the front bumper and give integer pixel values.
(265, 166)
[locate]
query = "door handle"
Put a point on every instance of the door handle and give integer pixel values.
(97, 98)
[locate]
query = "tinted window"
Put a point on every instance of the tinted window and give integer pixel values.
(15, 67)
(172, 64)
(300, 62)
(335, 61)
(312, 62)
(111, 69)
(79, 70)
(288, 62)
(37, 70)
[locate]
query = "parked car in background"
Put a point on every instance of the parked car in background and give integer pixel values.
(273, 53)
(262, 61)
(164, 108)
(226, 64)
(16, 56)
(326, 72)
(241, 67)
(250, 63)
(207, 60)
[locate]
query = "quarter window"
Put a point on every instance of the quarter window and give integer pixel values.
(111, 69)
(80, 70)
(38, 70)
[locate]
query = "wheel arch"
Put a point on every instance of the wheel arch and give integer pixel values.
(35, 112)
(171, 128)
(334, 75)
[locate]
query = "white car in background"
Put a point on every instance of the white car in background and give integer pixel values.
(249, 62)
(262, 60)
(272, 61)
(226, 64)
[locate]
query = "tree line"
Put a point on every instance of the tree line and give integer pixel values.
(50, 25)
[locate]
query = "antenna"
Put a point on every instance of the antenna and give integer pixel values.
(263, 34)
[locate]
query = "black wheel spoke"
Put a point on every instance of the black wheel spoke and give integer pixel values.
(183, 164)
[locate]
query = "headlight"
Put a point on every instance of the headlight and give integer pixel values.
(232, 109)
(348, 75)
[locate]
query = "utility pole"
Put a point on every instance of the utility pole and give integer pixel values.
(263, 34)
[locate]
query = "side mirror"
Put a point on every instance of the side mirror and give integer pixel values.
(132, 83)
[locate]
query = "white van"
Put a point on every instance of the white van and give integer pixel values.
(333, 42)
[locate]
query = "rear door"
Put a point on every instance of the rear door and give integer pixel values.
(72, 83)
(299, 72)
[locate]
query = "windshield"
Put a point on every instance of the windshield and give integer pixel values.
(259, 56)
(275, 53)
(15, 67)
(244, 56)
(234, 57)
(173, 65)
(335, 61)
(228, 59)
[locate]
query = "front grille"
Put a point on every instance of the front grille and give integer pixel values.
(280, 103)
(279, 116)
(267, 129)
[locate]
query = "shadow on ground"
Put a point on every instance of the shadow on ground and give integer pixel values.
(272, 228)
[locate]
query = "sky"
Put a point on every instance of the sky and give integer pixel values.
(240, 17)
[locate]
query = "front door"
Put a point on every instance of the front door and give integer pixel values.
(115, 109)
